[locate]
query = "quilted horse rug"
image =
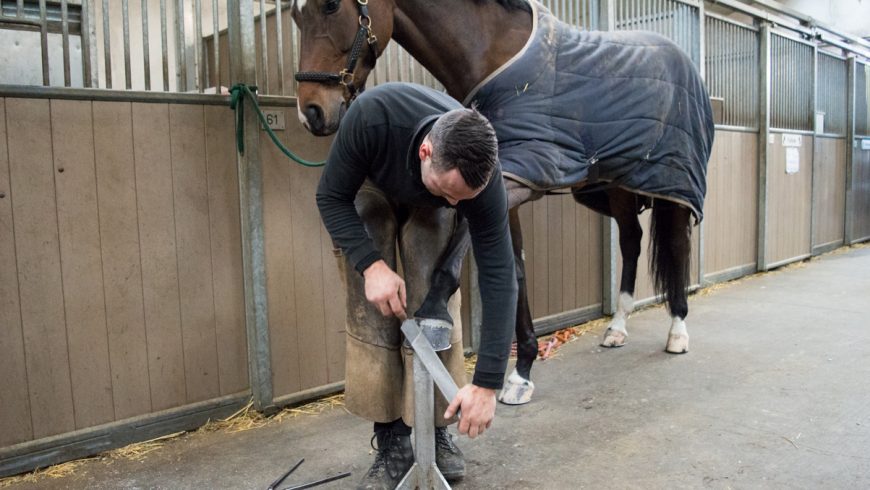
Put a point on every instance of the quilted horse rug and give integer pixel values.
(626, 109)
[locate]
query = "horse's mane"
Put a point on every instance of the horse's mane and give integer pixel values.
(512, 4)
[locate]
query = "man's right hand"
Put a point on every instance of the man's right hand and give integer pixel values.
(386, 290)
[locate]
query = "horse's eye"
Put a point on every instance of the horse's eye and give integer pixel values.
(331, 6)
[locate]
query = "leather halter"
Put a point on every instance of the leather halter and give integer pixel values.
(345, 76)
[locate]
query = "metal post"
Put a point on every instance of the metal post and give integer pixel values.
(476, 307)
(43, 30)
(609, 239)
(702, 62)
(851, 74)
(180, 48)
(242, 47)
(64, 16)
(814, 104)
(107, 44)
(125, 15)
(89, 47)
(763, 136)
(146, 47)
(606, 15)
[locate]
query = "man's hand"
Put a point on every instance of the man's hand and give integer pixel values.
(386, 290)
(478, 409)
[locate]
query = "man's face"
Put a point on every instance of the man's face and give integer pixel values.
(449, 184)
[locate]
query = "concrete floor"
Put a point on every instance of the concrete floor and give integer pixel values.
(775, 393)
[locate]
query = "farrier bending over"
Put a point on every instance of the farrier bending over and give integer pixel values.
(407, 164)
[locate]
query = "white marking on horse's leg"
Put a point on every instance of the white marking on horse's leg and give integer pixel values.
(678, 337)
(517, 390)
(616, 333)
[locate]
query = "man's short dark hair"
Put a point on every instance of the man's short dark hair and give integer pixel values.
(464, 139)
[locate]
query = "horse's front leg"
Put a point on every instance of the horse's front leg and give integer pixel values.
(624, 207)
(446, 275)
(518, 388)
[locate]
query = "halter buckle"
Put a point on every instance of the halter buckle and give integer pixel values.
(345, 77)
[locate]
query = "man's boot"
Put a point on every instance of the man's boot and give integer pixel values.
(395, 457)
(448, 457)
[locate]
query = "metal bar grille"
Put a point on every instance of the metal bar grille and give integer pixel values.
(676, 20)
(831, 93)
(862, 99)
(792, 84)
(731, 65)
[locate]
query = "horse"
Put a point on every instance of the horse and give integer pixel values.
(342, 39)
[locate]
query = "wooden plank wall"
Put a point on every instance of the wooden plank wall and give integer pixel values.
(861, 193)
(789, 199)
(120, 258)
(562, 246)
(829, 191)
(731, 206)
(306, 296)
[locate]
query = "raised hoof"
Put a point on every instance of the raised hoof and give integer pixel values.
(517, 390)
(613, 338)
(677, 344)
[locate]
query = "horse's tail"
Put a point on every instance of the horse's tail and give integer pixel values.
(670, 249)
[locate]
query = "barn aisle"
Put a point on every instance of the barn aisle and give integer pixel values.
(774, 393)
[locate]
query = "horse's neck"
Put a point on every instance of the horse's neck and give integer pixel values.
(460, 41)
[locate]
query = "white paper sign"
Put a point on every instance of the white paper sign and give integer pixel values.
(791, 140)
(792, 160)
(865, 144)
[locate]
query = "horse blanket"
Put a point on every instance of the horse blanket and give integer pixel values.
(625, 109)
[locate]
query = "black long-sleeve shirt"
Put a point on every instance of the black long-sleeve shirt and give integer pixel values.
(379, 139)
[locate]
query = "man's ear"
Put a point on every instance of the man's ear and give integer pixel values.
(425, 149)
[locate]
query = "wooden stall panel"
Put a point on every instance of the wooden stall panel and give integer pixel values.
(280, 267)
(15, 425)
(81, 261)
(562, 250)
(789, 198)
(731, 209)
(157, 235)
(193, 242)
(306, 296)
(861, 193)
(226, 250)
(829, 191)
(113, 143)
(37, 244)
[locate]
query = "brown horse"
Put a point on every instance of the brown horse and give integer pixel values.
(462, 43)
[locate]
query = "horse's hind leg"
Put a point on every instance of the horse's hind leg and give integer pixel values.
(518, 388)
(671, 256)
(624, 207)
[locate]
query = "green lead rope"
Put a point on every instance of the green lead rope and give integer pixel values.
(238, 92)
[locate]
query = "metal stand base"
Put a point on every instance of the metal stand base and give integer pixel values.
(424, 474)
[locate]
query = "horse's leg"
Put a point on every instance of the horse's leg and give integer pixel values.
(624, 207)
(446, 275)
(671, 249)
(518, 388)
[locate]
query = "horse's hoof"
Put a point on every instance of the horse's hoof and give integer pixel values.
(613, 338)
(517, 390)
(677, 344)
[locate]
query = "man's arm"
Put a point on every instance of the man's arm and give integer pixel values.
(490, 238)
(346, 169)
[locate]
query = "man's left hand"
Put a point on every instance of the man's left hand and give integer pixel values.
(478, 409)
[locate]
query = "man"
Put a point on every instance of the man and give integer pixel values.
(408, 163)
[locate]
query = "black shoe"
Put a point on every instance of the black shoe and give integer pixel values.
(448, 457)
(395, 457)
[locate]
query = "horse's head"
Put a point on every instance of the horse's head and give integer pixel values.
(341, 39)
